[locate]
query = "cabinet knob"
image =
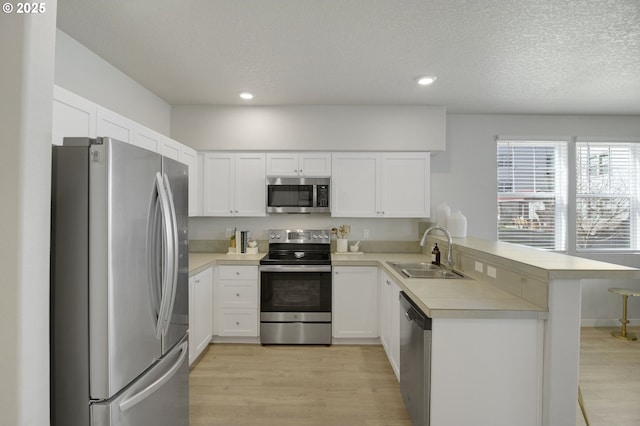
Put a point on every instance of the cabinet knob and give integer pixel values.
(237, 322)
(237, 273)
(237, 294)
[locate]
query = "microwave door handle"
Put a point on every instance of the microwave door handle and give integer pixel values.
(314, 202)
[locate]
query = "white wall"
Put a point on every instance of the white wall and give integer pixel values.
(206, 228)
(310, 127)
(27, 45)
(84, 73)
(465, 177)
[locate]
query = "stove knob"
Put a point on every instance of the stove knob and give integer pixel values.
(278, 237)
(315, 237)
(272, 236)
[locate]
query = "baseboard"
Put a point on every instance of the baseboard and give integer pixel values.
(608, 322)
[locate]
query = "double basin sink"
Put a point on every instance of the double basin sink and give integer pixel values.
(424, 270)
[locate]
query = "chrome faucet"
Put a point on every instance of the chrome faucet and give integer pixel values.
(423, 242)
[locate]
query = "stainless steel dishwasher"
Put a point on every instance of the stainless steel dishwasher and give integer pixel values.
(415, 360)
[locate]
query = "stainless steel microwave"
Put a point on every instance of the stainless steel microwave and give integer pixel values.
(298, 195)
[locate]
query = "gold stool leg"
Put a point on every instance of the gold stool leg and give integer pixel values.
(622, 334)
(582, 408)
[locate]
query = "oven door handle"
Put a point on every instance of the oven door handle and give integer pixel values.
(295, 268)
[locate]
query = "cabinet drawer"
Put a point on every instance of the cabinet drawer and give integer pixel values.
(238, 272)
(238, 322)
(238, 294)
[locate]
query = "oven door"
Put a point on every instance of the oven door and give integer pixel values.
(294, 288)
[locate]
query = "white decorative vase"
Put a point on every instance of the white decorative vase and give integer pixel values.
(457, 225)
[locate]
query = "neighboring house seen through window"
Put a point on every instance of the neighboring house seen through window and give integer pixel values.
(532, 181)
(606, 196)
(533, 184)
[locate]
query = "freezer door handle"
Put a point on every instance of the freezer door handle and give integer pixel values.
(130, 401)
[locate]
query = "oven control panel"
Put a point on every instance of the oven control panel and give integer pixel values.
(300, 236)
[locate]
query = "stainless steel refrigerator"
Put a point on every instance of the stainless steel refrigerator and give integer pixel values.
(119, 286)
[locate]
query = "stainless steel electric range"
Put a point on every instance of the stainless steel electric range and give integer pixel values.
(295, 288)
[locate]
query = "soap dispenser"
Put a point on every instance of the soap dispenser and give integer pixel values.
(435, 255)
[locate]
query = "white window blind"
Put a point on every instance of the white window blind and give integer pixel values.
(532, 182)
(606, 195)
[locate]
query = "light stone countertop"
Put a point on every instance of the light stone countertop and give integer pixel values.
(550, 265)
(198, 262)
(447, 298)
(460, 298)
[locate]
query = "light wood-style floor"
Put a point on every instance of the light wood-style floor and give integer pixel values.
(295, 385)
(354, 385)
(609, 377)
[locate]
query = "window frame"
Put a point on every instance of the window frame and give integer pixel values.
(559, 193)
(633, 174)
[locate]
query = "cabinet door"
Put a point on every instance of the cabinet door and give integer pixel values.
(315, 164)
(189, 156)
(405, 184)
(355, 302)
(389, 320)
(203, 310)
(250, 185)
(192, 323)
(115, 126)
(393, 340)
(354, 185)
(218, 184)
(147, 138)
(72, 116)
(170, 148)
(282, 164)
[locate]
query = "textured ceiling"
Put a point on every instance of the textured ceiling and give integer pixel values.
(499, 56)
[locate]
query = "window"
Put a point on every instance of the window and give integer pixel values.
(532, 182)
(606, 196)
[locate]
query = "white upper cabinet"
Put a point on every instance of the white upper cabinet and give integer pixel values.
(147, 138)
(72, 116)
(354, 186)
(170, 148)
(381, 184)
(115, 126)
(189, 156)
(405, 184)
(307, 164)
(234, 184)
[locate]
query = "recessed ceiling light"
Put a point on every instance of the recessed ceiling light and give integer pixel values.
(246, 96)
(426, 80)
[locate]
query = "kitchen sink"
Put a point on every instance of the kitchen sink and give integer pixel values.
(424, 270)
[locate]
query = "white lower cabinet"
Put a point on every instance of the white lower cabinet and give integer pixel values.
(200, 312)
(237, 301)
(389, 320)
(355, 302)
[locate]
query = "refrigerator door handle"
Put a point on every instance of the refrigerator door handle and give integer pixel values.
(174, 255)
(131, 401)
(169, 254)
(154, 263)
